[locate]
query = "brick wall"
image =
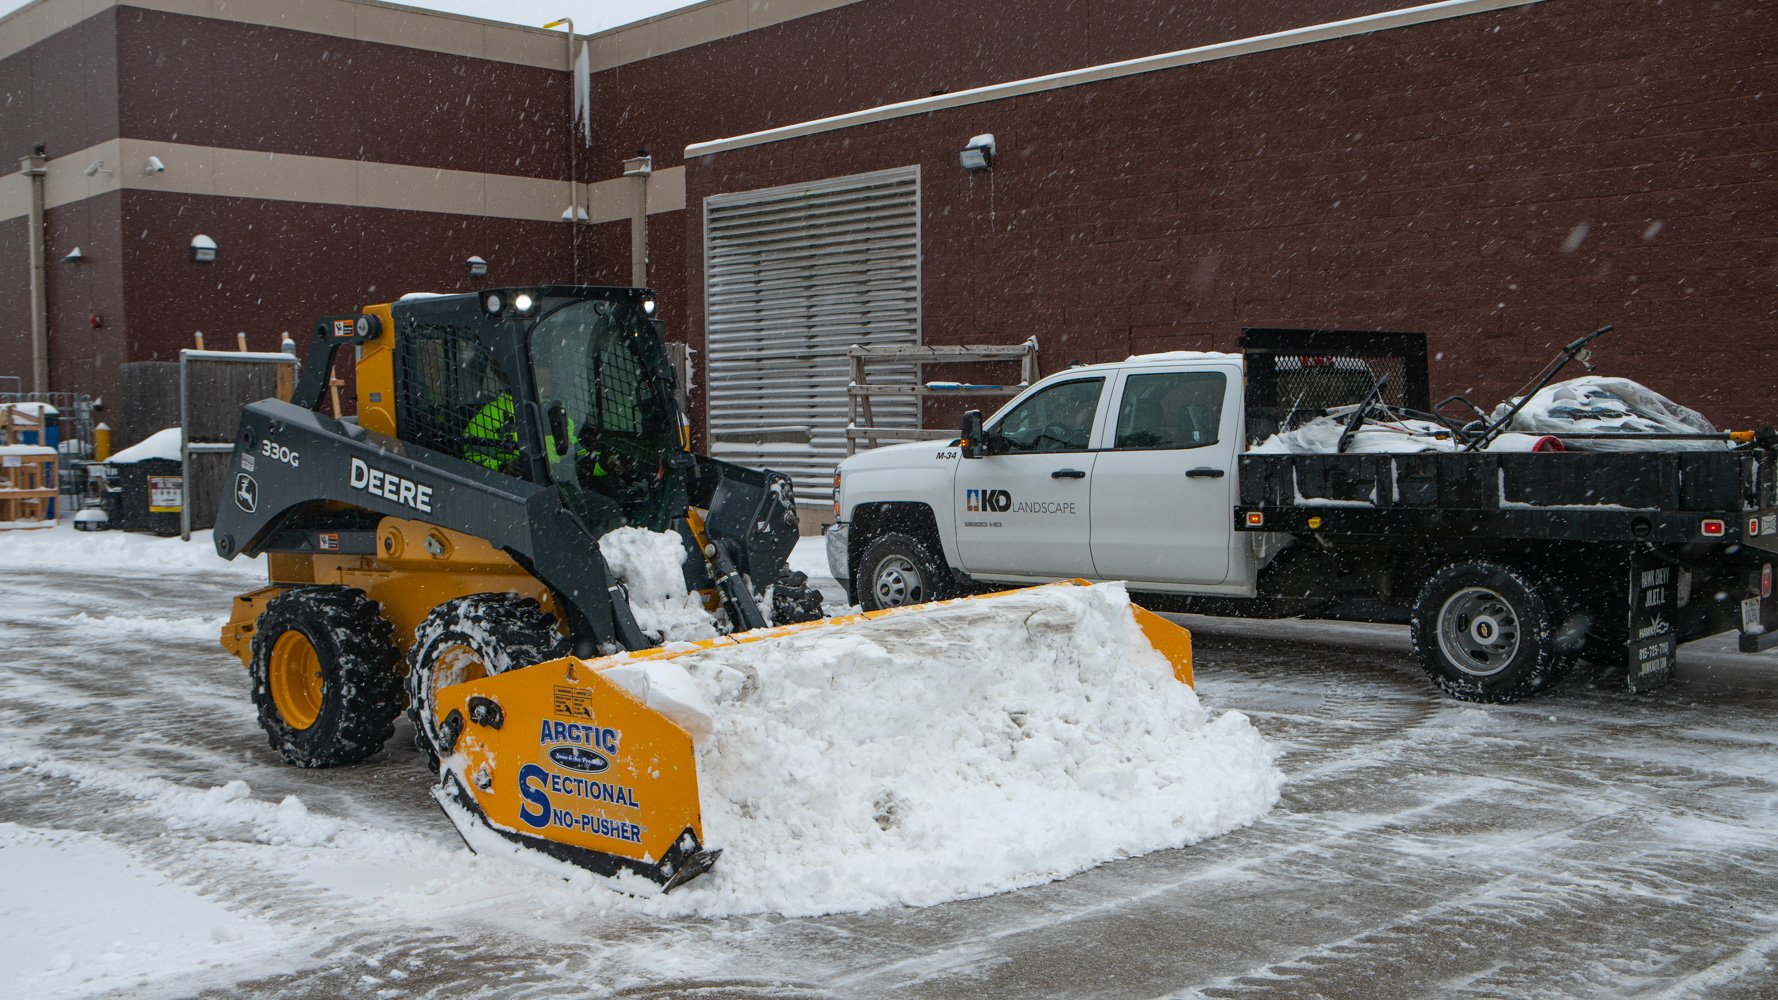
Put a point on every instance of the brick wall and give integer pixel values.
(1503, 182)
(212, 82)
(61, 92)
(866, 54)
(282, 264)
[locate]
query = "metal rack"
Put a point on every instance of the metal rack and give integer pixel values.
(861, 424)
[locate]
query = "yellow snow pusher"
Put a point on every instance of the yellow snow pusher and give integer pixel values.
(441, 551)
(593, 762)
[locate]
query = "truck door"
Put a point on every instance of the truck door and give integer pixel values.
(1163, 491)
(1023, 511)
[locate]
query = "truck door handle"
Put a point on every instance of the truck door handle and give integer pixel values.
(1068, 474)
(1204, 474)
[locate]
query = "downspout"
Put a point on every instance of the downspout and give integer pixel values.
(573, 174)
(33, 167)
(639, 168)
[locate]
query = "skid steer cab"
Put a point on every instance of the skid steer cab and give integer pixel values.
(449, 531)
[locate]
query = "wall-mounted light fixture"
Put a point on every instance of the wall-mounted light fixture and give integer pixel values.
(478, 268)
(155, 166)
(97, 167)
(74, 256)
(978, 153)
(203, 249)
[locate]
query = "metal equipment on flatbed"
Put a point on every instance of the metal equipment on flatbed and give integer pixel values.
(441, 551)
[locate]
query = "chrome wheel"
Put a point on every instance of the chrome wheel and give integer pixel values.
(897, 582)
(1478, 631)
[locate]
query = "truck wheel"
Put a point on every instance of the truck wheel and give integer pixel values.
(326, 676)
(897, 571)
(1487, 632)
(469, 638)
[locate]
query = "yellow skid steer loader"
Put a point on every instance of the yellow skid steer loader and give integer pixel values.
(440, 551)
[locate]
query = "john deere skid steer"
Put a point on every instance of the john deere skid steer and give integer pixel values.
(440, 552)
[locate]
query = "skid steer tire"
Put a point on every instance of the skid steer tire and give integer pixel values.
(898, 570)
(468, 638)
(326, 676)
(1486, 632)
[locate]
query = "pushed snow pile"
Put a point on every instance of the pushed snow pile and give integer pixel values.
(955, 752)
(651, 566)
(1596, 404)
(1321, 436)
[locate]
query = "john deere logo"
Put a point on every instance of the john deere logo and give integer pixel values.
(988, 501)
(246, 493)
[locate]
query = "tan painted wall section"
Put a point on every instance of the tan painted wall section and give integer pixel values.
(240, 173)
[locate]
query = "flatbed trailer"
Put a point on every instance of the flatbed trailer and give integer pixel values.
(1644, 549)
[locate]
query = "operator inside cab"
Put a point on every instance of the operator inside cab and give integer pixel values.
(604, 390)
(492, 437)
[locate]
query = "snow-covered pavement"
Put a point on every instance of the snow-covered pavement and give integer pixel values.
(1588, 843)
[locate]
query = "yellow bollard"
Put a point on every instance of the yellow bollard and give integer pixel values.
(101, 442)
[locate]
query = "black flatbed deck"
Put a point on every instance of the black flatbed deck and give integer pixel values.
(1661, 498)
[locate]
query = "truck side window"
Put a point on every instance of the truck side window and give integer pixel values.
(1060, 418)
(1170, 410)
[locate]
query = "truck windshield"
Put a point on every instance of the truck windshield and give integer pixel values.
(600, 373)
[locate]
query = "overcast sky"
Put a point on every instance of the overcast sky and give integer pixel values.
(588, 15)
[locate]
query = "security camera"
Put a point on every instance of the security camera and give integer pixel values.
(155, 166)
(96, 167)
(74, 256)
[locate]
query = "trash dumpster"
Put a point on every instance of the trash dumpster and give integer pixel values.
(149, 485)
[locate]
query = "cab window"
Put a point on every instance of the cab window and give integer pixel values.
(1170, 410)
(1059, 418)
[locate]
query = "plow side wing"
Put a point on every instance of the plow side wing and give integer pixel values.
(556, 758)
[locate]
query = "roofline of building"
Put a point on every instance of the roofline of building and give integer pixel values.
(437, 31)
(1308, 35)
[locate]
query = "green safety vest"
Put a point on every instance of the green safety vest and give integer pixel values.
(492, 438)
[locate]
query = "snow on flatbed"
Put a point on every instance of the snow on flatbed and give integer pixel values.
(1589, 843)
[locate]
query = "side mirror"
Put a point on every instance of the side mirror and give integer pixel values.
(971, 440)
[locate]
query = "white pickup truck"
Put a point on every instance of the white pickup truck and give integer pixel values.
(1509, 566)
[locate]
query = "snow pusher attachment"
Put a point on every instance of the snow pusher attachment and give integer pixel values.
(594, 762)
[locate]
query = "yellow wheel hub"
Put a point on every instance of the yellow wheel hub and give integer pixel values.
(455, 665)
(297, 687)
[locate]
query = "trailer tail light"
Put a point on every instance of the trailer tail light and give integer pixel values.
(1752, 527)
(1256, 519)
(1765, 581)
(1714, 527)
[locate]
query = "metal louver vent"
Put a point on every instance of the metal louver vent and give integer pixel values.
(793, 276)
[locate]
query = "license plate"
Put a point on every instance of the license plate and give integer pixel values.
(1750, 615)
